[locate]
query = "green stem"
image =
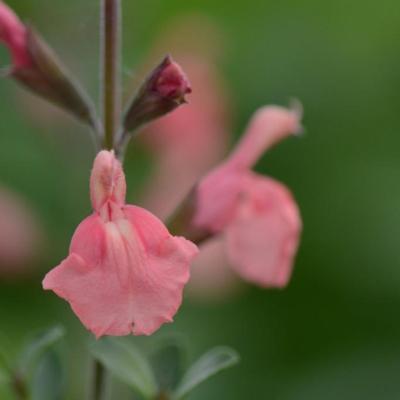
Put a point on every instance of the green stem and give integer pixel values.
(162, 396)
(99, 382)
(20, 388)
(110, 43)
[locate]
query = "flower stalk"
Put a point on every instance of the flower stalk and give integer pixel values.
(99, 382)
(110, 44)
(20, 388)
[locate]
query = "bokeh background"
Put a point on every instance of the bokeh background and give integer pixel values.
(334, 332)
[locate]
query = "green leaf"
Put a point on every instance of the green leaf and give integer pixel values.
(4, 365)
(5, 345)
(37, 347)
(47, 382)
(4, 376)
(126, 363)
(208, 365)
(168, 361)
(5, 392)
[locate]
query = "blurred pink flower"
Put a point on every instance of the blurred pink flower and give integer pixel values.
(14, 34)
(189, 141)
(125, 273)
(257, 215)
(20, 235)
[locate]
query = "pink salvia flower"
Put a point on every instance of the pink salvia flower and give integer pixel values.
(125, 272)
(13, 34)
(257, 215)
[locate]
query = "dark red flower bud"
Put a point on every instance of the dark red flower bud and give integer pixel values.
(162, 92)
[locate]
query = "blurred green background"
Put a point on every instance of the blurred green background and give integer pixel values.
(335, 331)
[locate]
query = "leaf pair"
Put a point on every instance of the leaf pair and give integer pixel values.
(128, 365)
(38, 373)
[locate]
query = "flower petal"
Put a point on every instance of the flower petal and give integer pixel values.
(107, 181)
(263, 238)
(123, 276)
(217, 197)
(268, 125)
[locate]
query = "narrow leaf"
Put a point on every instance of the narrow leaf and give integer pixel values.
(208, 365)
(168, 361)
(4, 377)
(47, 383)
(127, 364)
(37, 347)
(4, 365)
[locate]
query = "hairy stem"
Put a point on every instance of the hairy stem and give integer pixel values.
(110, 43)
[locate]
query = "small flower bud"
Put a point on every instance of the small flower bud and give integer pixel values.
(162, 92)
(47, 77)
(107, 181)
(36, 66)
(13, 34)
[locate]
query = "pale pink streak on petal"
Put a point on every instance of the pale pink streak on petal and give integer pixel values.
(263, 238)
(268, 126)
(14, 34)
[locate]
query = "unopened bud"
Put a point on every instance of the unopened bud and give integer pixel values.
(171, 82)
(35, 66)
(13, 34)
(47, 77)
(162, 92)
